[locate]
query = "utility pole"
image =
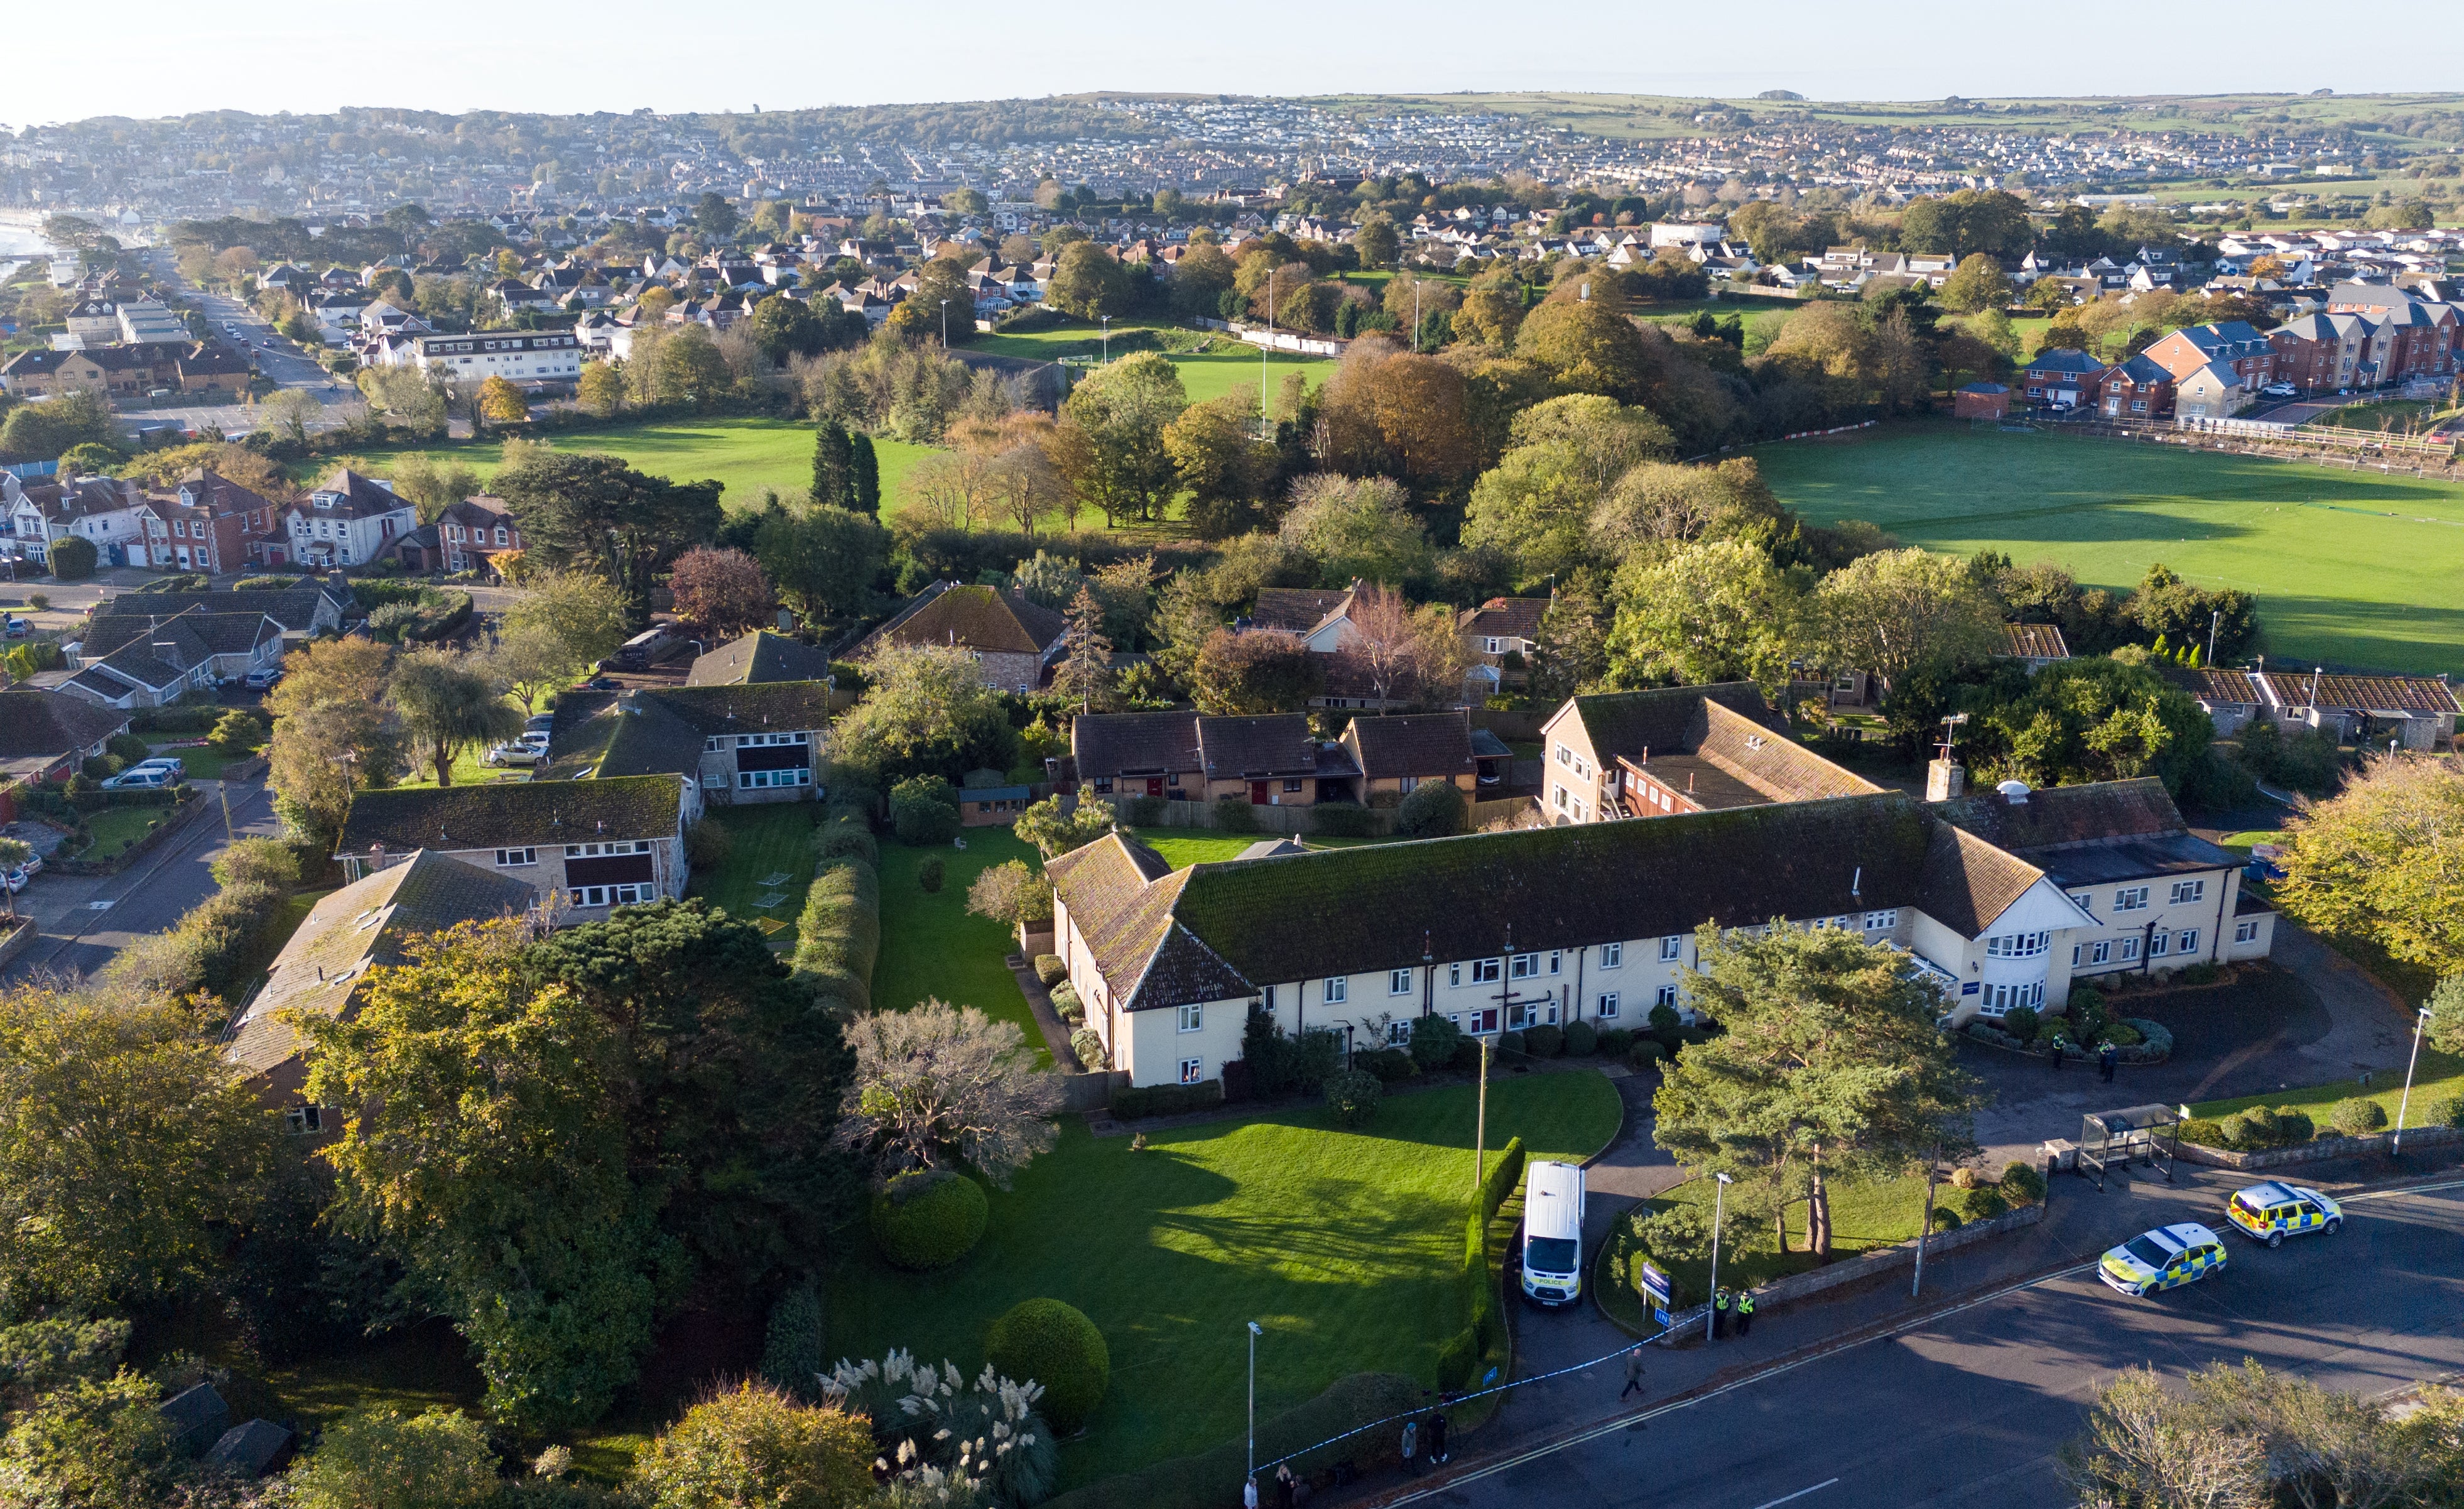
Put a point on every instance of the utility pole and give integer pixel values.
(1106, 321)
(1924, 1232)
(1719, 1208)
(1416, 316)
(1265, 350)
(2216, 620)
(1255, 1331)
(1480, 1133)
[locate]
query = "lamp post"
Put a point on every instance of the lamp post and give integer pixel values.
(1106, 321)
(2420, 1020)
(1416, 314)
(1255, 1331)
(1719, 1208)
(945, 324)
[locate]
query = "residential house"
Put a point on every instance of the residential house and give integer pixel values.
(2321, 352)
(2216, 368)
(348, 519)
(1013, 640)
(473, 532)
(1397, 752)
(224, 646)
(94, 321)
(1598, 921)
(211, 523)
(2138, 389)
(324, 969)
(106, 512)
(758, 656)
(584, 847)
(528, 359)
(2412, 335)
(2061, 377)
(1321, 617)
(1678, 750)
(300, 612)
(1981, 401)
(1272, 759)
(732, 744)
(2215, 391)
(46, 735)
(1499, 627)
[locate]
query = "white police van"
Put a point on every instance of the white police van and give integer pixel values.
(1552, 1233)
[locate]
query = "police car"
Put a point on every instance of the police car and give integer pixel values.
(2167, 1257)
(2269, 1212)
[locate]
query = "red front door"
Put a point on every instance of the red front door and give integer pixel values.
(1155, 785)
(1257, 793)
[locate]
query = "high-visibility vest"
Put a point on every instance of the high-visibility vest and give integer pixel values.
(1744, 1304)
(1719, 1301)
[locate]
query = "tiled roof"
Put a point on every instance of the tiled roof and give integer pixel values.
(1770, 762)
(363, 924)
(295, 608)
(2380, 695)
(1663, 717)
(358, 496)
(758, 656)
(972, 618)
(2067, 814)
(2036, 641)
(1506, 617)
(36, 724)
(1119, 743)
(1968, 882)
(510, 813)
(2224, 687)
(1255, 749)
(662, 729)
(1424, 745)
(199, 632)
(1296, 610)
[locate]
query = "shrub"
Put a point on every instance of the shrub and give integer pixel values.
(1501, 1178)
(1963, 1178)
(437, 1458)
(1434, 1042)
(924, 811)
(41, 602)
(1056, 1345)
(1665, 1023)
(1544, 1041)
(1511, 1045)
(1344, 820)
(2204, 1132)
(844, 834)
(1049, 969)
(1089, 1046)
(707, 845)
(1467, 1056)
(72, 558)
(2120, 1034)
(1352, 1095)
(2021, 1022)
(2155, 1045)
(2292, 1125)
(750, 1444)
(1067, 1004)
(792, 1353)
(2444, 1112)
(2022, 1184)
(1614, 1042)
(2204, 972)
(1388, 1064)
(2356, 1116)
(235, 730)
(1582, 1040)
(1981, 1204)
(1944, 1218)
(2086, 1000)
(1140, 812)
(839, 935)
(930, 873)
(1458, 1357)
(928, 1218)
(2249, 1129)
(1233, 815)
(256, 861)
(1167, 1099)
(128, 749)
(1433, 809)
(1646, 1052)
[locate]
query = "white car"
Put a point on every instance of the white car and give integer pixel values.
(515, 752)
(2279, 390)
(171, 763)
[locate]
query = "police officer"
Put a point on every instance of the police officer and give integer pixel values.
(2105, 1058)
(1744, 1311)
(1719, 1314)
(2059, 1048)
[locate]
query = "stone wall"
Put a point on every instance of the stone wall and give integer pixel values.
(2318, 1151)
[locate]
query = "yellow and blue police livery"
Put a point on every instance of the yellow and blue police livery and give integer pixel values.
(2270, 1212)
(2167, 1257)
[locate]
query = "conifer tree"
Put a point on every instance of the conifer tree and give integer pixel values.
(864, 472)
(833, 465)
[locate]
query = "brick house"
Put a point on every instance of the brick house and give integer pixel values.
(235, 522)
(46, 735)
(2411, 334)
(2138, 389)
(1678, 750)
(1981, 401)
(1397, 753)
(2233, 344)
(587, 846)
(473, 532)
(1498, 628)
(1015, 641)
(2063, 378)
(2321, 352)
(1271, 760)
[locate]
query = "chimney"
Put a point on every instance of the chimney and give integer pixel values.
(1946, 779)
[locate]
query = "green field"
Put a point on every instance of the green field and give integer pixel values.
(2352, 569)
(1227, 365)
(931, 946)
(1344, 1245)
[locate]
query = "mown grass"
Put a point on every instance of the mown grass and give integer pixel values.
(932, 948)
(773, 838)
(2350, 568)
(115, 828)
(1863, 1216)
(1184, 846)
(2437, 1082)
(1344, 1245)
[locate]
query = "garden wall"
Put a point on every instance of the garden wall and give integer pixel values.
(1804, 1286)
(183, 813)
(2319, 1151)
(19, 939)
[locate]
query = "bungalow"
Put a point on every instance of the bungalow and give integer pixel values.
(323, 971)
(582, 847)
(226, 646)
(46, 735)
(1598, 921)
(1397, 753)
(2041, 645)
(734, 743)
(1272, 759)
(1013, 640)
(300, 612)
(756, 658)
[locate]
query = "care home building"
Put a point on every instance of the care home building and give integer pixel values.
(584, 847)
(2000, 898)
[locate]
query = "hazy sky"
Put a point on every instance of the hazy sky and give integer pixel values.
(152, 57)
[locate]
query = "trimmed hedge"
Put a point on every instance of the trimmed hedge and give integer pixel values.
(2356, 1116)
(1582, 1040)
(1388, 1064)
(1049, 969)
(1139, 812)
(1344, 820)
(1167, 1099)
(1210, 1480)
(1544, 1041)
(1233, 815)
(838, 938)
(1056, 1345)
(1502, 1177)
(929, 1219)
(1066, 1002)
(844, 834)
(1088, 1045)
(1433, 810)
(792, 1356)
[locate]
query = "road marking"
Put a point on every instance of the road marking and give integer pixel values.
(1799, 1494)
(97, 906)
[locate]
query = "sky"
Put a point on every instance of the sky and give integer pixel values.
(163, 58)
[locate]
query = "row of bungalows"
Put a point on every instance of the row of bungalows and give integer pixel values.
(2410, 712)
(1274, 759)
(2003, 900)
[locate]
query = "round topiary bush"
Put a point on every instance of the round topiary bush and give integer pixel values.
(2292, 1125)
(2020, 1022)
(1065, 1001)
(1582, 1040)
(929, 1219)
(1544, 1042)
(1352, 1095)
(1055, 1346)
(1981, 1204)
(1963, 1178)
(2356, 1117)
(2244, 1130)
(1433, 809)
(930, 873)
(1644, 1051)
(2023, 1184)
(1049, 969)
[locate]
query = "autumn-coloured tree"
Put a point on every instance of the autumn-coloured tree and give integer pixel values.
(720, 590)
(502, 403)
(1399, 652)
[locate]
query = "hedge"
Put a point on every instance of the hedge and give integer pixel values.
(1344, 820)
(1544, 1041)
(1582, 1040)
(175, 719)
(1056, 1345)
(838, 936)
(1211, 1478)
(1167, 1099)
(1233, 815)
(1483, 1326)
(1140, 812)
(1088, 1045)
(929, 1219)
(843, 833)
(1049, 969)
(1066, 1004)
(792, 1354)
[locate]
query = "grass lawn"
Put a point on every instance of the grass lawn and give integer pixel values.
(932, 946)
(467, 771)
(204, 762)
(2350, 568)
(2437, 1082)
(1184, 847)
(766, 840)
(115, 828)
(1863, 1216)
(1230, 364)
(1343, 1245)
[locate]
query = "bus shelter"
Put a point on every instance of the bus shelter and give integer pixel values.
(2114, 1139)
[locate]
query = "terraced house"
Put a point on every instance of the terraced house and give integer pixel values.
(2002, 900)
(585, 847)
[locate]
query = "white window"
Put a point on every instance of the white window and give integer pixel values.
(1494, 644)
(2130, 898)
(1193, 1071)
(1667, 996)
(1883, 922)
(2099, 952)
(1399, 982)
(2159, 945)
(1454, 974)
(2129, 949)
(1561, 798)
(2085, 902)
(1611, 956)
(1608, 1004)
(1526, 965)
(2017, 946)
(1337, 989)
(302, 1120)
(1484, 971)
(2244, 932)
(1271, 998)
(1191, 1018)
(2188, 943)
(1556, 961)
(1672, 947)
(1398, 1033)
(1565, 755)
(2187, 891)
(509, 858)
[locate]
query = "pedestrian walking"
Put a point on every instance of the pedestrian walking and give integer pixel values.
(1719, 1314)
(1633, 1372)
(1411, 1446)
(1249, 1493)
(1439, 1451)
(1283, 1487)
(2106, 1057)
(1745, 1311)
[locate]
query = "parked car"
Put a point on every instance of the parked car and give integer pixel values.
(14, 881)
(515, 752)
(598, 683)
(20, 627)
(538, 724)
(34, 864)
(153, 780)
(2279, 390)
(171, 763)
(263, 681)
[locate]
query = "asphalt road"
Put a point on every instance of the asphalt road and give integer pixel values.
(1969, 1407)
(280, 360)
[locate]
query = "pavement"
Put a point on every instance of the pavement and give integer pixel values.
(87, 918)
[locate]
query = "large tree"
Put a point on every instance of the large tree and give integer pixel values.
(1221, 463)
(928, 711)
(567, 622)
(1088, 281)
(1895, 611)
(1110, 444)
(596, 512)
(1714, 611)
(1085, 674)
(2384, 860)
(1356, 529)
(821, 560)
(1400, 654)
(940, 1086)
(1828, 1063)
(720, 590)
(1261, 671)
(449, 702)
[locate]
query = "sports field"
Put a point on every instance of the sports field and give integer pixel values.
(1228, 363)
(2352, 569)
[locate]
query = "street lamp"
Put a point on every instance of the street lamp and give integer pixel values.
(1719, 1208)
(1416, 314)
(2420, 1020)
(1106, 321)
(945, 324)
(1255, 1331)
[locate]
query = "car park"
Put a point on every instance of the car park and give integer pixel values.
(2165, 1257)
(153, 780)
(2273, 1210)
